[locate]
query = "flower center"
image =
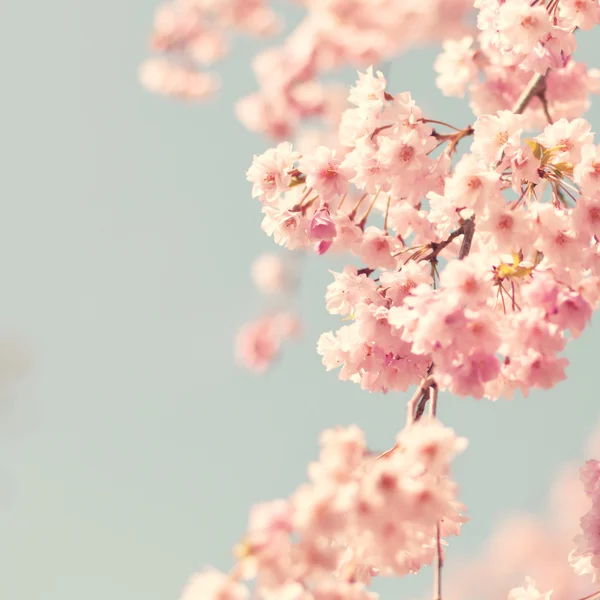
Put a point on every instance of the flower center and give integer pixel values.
(505, 222)
(406, 153)
(565, 144)
(594, 214)
(474, 182)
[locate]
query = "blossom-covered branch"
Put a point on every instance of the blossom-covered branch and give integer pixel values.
(466, 276)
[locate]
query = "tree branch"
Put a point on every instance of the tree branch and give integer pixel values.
(468, 228)
(534, 87)
(415, 402)
(439, 563)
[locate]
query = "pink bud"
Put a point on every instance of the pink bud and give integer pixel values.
(321, 227)
(322, 246)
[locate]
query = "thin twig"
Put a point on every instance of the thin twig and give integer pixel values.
(437, 574)
(437, 247)
(544, 101)
(441, 123)
(387, 212)
(411, 415)
(352, 213)
(420, 410)
(439, 563)
(433, 399)
(364, 218)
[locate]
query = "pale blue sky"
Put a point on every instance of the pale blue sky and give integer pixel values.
(126, 235)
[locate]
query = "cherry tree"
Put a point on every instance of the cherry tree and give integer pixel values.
(473, 259)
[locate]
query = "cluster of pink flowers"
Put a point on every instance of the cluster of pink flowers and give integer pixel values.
(360, 515)
(258, 343)
(515, 39)
(525, 211)
(333, 34)
(191, 35)
(585, 557)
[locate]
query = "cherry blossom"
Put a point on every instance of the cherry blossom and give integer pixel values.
(360, 515)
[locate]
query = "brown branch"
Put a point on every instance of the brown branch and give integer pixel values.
(468, 228)
(437, 247)
(416, 405)
(433, 400)
(420, 410)
(544, 101)
(534, 87)
(439, 563)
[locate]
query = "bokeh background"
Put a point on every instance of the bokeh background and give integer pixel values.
(133, 450)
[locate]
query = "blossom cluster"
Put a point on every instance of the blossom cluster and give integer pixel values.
(481, 269)
(258, 343)
(192, 35)
(360, 515)
(515, 39)
(336, 33)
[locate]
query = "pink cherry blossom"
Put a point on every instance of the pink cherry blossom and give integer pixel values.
(321, 227)
(258, 343)
(568, 137)
(521, 25)
(498, 135)
(325, 174)
(376, 249)
(270, 172)
(456, 66)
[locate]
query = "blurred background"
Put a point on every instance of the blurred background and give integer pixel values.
(134, 447)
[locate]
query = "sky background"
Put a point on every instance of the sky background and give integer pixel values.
(131, 454)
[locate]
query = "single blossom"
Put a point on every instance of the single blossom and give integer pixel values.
(321, 227)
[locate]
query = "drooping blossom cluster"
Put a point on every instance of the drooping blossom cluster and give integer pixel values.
(192, 35)
(483, 269)
(515, 39)
(360, 515)
(259, 342)
(337, 33)
(585, 557)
